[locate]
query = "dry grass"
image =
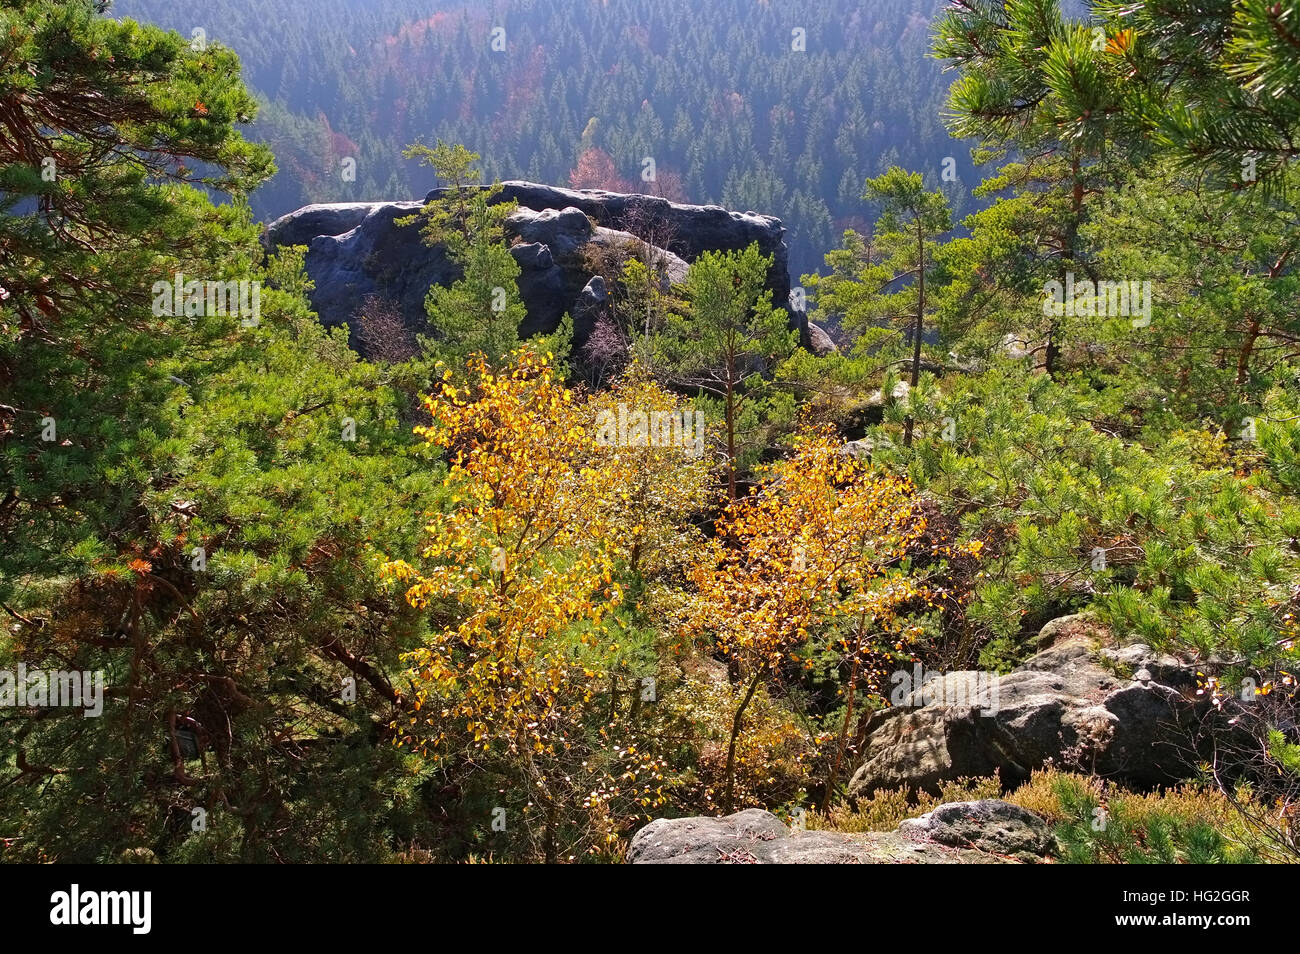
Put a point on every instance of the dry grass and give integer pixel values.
(885, 809)
(1042, 795)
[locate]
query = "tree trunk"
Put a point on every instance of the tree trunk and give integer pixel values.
(916, 332)
(844, 736)
(1069, 255)
(1052, 352)
(728, 798)
(550, 849)
(1254, 328)
(731, 428)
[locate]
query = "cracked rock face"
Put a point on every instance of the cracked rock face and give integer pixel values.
(1126, 714)
(356, 249)
(983, 832)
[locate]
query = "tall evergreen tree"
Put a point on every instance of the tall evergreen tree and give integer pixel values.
(911, 220)
(729, 339)
(1048, 91)
(481, 311)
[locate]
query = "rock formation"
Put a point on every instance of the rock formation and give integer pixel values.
(356, 249)
(1128, 714)
(980, 832)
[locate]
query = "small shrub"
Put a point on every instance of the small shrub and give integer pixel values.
(1097, 823)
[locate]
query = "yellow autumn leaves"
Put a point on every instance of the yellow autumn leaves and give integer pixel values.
(521, 568)
(819, 541)
(521, 562)
(514, 564)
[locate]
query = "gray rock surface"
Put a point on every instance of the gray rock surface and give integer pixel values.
(686, 230)
(1071, 705)
(592, 300)
(820, 341)
(990, 825)
(990, 832)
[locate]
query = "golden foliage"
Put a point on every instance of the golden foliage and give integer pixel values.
(646, 494)
(820, 539)
(520, 575)
(517, 561)
(885, 808)
(772, 759)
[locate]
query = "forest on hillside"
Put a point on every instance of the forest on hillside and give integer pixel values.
(582, 93)
(266, 600)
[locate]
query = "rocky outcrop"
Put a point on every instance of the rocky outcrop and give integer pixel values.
(357, 249)
(1128, 714)
(983, 832)
(685, 230)
(989, 825)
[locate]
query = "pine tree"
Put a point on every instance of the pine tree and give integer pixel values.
(183, 509)
(912, 218)
(481, 311)
(1050, 92)
(1215, 83)
(881, 291)
(731, 336)
(105, 123)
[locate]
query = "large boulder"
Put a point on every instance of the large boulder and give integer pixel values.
(357, 249)
(1129, 714)
(820, 342)
(986, 832)
(989, 824)
(592, 300)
